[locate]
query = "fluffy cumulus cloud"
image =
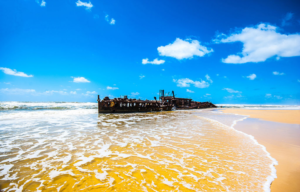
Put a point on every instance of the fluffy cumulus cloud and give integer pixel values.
(277, 73)
(260, 43)
(111, 88)
(73, 92)
(186, 82)
(286, 19)
(251, 77)
(88, 5)
(189, 91)
(14, 72)
(80, 80)
(154, 62)
(183, 49)
(111, 21)
(229, 90)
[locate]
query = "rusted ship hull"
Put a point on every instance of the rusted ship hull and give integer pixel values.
(125, 105)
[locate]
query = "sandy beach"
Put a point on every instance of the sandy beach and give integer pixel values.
(279, 132)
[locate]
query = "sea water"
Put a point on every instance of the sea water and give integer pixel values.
(70, 147)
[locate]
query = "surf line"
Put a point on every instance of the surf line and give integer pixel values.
(270, 178)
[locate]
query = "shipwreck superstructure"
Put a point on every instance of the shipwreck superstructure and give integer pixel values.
(183, 103)
(165, 103)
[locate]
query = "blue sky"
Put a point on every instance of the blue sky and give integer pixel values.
(224, 52)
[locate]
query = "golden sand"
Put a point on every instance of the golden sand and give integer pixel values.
(281, 116)
(281, 141)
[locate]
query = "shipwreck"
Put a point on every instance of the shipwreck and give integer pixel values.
(165, 103)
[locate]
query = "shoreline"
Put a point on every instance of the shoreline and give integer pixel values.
(279, 116)
(278, 131)
(273, 175)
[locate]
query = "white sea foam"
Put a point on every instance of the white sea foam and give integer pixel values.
(56, 173)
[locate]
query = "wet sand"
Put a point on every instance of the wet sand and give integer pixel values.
(279, 132)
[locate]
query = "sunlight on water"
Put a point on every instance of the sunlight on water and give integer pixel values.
(79, 150)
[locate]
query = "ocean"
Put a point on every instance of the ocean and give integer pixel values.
(62, 146)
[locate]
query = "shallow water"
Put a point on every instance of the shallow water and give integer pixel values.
(79, 150)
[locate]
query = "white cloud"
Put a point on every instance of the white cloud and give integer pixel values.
(183, 49)
(73, 92)
(111, 88)
(277, 73)
(53, 91)
(189, 91)
(231, 90)
(268, 95)
(207, 94)
(298, 80)
(278, 97)
(17, 91)
(285, 20)
(229, 97)
(133, 94)
(88, 5)
(142, 76)
(154, 62)
(111, 21)
(43, 3)
(208, 78)
(163, 69)
(14, 72)
(80, 80)
(260, 43)
(251, 77)
(78, 89)
(185, 82)
(89, 93)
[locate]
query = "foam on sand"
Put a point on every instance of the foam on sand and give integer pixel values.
(77, 149)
